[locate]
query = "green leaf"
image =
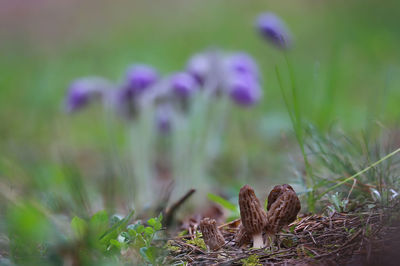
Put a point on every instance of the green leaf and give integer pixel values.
(132, 233)
(149, 254)
(335, 201)
(126, 236)
(115, 243)
(148, 231)
(233, 217)
(79, 227)
(116, 229)
(140, 228)
(140, 242)
(160, 217)
(158, 226)
(99, 223)
(223, 202)
(114, 219)
(152, 221)
(26, 223)
(156, 222)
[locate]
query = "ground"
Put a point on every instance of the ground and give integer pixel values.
(365, 237)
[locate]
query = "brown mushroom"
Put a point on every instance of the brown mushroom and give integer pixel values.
(283, 207)
(275, 193)
(278, 191)
(253, 215)
(211, 234)
(241, 237)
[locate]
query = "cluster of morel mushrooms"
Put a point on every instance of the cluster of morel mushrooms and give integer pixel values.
(257, 225)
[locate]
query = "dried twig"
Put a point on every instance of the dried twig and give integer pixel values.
(170, 212)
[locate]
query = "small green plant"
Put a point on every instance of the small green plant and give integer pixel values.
(252, 260)
(197, 241)
(112, 236)
(141, 238)
(337, 203)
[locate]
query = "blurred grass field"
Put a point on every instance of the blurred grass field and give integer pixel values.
(345, 59)
(346, 62)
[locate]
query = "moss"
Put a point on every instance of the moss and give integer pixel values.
(170, 247)
(197, 241)
(252, 260)
(182, 233)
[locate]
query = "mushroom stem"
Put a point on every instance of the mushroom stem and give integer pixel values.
(258, 241)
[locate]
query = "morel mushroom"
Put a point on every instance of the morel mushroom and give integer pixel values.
(211, 234)
(278, 191)
(253, 215)
(283, 207)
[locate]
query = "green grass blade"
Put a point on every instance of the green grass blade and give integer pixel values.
(223, 202)
(359, 173)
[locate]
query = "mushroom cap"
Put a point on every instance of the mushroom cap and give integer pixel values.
(283, 211)
(211, 234)
(276, 192)
(242, 237)
(252, 214)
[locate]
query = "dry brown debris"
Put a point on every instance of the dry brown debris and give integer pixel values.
(313, 239)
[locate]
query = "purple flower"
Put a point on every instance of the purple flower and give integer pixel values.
(163, 121)
(199, 66)
(83, 90)
(242, 63)
(183, 85)
(274, 30)
(139, 78)
(244, 90)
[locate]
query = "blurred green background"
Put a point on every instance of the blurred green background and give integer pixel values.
(53, 165)
(346, 60)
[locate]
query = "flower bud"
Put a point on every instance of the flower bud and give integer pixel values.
(244, 90)
(83, 90)
(139, 78)
(199, 66)
(183, 85)
(241, 63)
(274, 30)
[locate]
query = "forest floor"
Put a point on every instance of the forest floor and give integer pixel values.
(369, 236)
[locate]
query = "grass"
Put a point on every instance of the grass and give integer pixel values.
(353, 177)
(312, 184)
(295, 115)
